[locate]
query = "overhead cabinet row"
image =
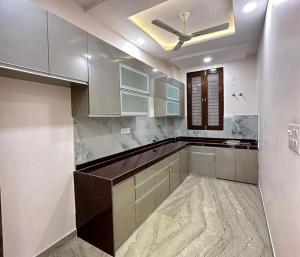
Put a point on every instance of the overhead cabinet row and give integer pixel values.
(40, 44)
(35, 40)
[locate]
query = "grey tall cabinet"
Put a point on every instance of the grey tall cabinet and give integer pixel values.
(23, 35)
(67, 49)
(104, 82)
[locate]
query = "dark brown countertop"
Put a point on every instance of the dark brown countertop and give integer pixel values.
(118, 167)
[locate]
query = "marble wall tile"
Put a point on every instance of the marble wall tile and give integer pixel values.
(237, 126)
(99, 137)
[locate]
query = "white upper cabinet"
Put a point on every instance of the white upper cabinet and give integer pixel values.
(134, 85)
(23, 35)
(133, 79)
(168, 97)
(172, 92)
(134, 104)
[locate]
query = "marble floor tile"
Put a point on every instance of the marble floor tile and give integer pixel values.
(203, 217)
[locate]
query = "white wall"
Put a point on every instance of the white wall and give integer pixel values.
(72, 12)
(279, 105)
(239, 77)
(36, 164)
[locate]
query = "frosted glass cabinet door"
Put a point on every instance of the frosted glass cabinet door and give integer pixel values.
(172, 108)
(23, 35)
(104, 85)
(133, 79)
(67, 49)
(172, 92)
(134, 104)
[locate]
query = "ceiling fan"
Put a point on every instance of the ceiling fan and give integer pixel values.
(185, 36)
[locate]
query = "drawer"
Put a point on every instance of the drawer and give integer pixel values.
(144, 175)
(202, 156)
(144, 188)
(162, 174)
(151, 171)
(202, 149)
(144, 207)
(174, 157)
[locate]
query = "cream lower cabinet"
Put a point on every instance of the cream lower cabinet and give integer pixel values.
(162, 185)
(123, 211)
(246, 164)
(237, 164)
(225, 163)
(203, 160)
(174, 171)
(151, 189)
(184, 163)
(137, 197)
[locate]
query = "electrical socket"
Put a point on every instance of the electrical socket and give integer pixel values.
(125, 130)
(294, 137)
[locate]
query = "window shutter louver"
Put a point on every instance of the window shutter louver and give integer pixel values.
(205, 99)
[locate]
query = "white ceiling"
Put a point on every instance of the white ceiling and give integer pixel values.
(114, 14)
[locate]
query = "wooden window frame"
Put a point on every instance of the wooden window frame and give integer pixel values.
(204, 104)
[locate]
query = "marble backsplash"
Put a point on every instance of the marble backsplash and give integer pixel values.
(237, 126)
(99, 137)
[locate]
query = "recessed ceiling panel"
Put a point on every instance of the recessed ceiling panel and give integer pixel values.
(203, 14)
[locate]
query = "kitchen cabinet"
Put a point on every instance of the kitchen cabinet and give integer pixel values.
(168, 97)
(23, 40)
(203, 160)
(134, 104)
(68, 52)
(145, 202)
(104, 84)
(174, 171)
(123, 196)
(246, 166)
(185, 163)
(133, 79)
(134, 86)
(162, 185)
(225, 163)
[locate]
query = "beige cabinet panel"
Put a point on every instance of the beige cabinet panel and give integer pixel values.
(185, 164)
(225, 163)
(175, 174)
(144, 188)
(162, 191)
(104, 84)
(203, 161)
(162, 185)
(123, 211)
(144, 207)
(247, 166)
(142, 176)
(174, 157)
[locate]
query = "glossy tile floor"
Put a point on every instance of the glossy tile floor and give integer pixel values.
(203, 217)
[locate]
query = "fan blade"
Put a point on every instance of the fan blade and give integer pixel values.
(178, 46)
(211, 30)
(166, 27)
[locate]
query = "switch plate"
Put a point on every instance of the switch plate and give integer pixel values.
(294, 137)
(125, 130)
